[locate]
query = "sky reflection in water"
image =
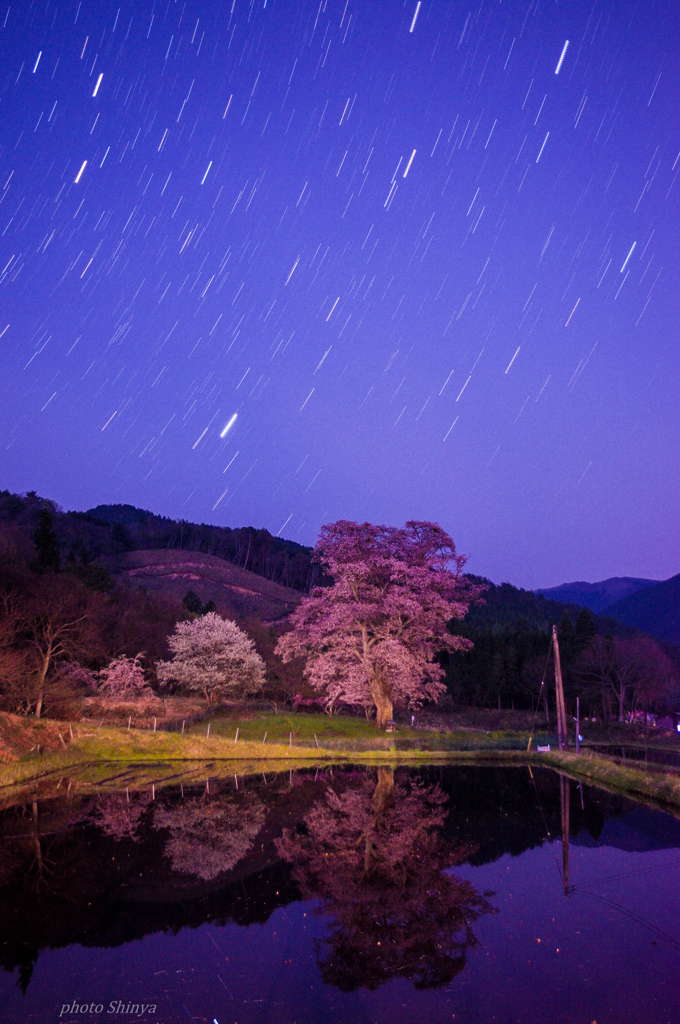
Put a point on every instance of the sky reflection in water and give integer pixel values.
(361, 895)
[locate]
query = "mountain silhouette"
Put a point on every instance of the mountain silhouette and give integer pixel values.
(655, 610)
(597, 596)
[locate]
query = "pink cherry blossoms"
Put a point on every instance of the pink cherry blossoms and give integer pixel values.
(370, 638)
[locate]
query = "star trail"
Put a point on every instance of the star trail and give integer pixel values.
(405, 260)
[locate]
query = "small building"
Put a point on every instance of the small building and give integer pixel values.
(669, 721)
(390, 726)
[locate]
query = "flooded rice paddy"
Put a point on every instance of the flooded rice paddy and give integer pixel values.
(464, 894)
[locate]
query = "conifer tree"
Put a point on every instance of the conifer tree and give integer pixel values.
(45, 538)
(584, 630)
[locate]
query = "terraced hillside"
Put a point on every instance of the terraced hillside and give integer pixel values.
(235, 591)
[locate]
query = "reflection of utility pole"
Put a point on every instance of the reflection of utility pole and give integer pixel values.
(37, 848)
(562, 739)
(564, 808)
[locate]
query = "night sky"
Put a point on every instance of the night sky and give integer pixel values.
(426, 253)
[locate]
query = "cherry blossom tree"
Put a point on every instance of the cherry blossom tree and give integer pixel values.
(214, 657)
(657, 682)
(375, 858)
(370, 638)
(123, 679)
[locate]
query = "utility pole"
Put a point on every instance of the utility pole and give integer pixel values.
(562, 738)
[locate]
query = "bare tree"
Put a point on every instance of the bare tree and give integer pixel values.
(60, 622)
(626, 671)
(13, 660)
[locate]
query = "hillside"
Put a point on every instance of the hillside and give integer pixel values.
(237, 592)
(654, 610)
(596, 596)
(504, 605)
(112, 530)
(282, 561)
(511, 632)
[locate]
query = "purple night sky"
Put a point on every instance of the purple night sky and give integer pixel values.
(427, 252)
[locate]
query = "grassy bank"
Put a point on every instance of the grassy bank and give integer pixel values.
(660, 787)
(111, 758)
(264, 737)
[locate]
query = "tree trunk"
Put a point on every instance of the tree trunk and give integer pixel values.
(368, 853)
(41, 686)
(379, 687)
(383, 701)
(382, 799)
(384, 712)
(384, 791)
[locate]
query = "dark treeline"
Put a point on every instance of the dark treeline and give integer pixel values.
(112, 529)
(511, 631)
(614, 670)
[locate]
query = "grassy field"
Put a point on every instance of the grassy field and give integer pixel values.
(345, 735)
(112, 758)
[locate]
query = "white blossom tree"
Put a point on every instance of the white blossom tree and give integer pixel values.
(212, 656)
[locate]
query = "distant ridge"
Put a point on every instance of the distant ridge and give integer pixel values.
(598, 596)
(654, 610)
(111, 530)
(651, 606)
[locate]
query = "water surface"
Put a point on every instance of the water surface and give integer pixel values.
(458, 894)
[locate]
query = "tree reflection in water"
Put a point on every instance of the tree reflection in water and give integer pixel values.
(121, 816)
(209, 835)
(375, 858)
